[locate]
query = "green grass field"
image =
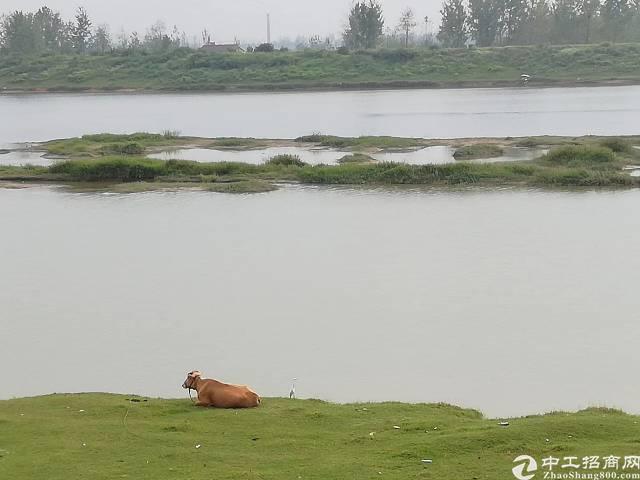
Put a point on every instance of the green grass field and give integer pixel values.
(185, 69)
(104, 436)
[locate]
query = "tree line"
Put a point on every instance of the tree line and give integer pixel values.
(532, 22)
(463, 23)
(45, 31)
(503, 22)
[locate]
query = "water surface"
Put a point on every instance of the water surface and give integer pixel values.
(25, 157)
(509, 301)
(328, 156)
(419, 113)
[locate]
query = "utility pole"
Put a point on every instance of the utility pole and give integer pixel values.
(268, 28)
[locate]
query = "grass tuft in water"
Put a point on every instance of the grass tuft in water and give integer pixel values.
(479, 150)
(286, 160)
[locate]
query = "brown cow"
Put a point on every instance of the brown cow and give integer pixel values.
(212, 393)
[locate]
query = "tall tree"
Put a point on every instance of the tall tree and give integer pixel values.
(51, 29)
(406, 24)
(536, 29)
(134, 41)
(484, 20)
(101, 41)
(453, 29)
(565, 19)
(616, 14)
(588, 10)
(365, 25)
(515, 14)
(17, 33)
(81, 30)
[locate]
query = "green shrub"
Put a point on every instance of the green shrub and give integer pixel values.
(480, 150)
(356, 158)
(130, 148)
(576, 155)
(313, 138)
(118, 138)
(122, 169)
(618, 145)
(286, 160)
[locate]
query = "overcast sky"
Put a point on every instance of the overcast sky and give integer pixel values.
(244, 19)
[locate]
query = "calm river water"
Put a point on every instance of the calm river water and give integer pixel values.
(420, 113)
(510, 301)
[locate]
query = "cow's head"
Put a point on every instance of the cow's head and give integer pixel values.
(191, 379)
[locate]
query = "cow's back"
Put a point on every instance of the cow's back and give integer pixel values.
(223, 395)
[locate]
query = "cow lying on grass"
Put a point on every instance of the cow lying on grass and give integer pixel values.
(212, 393)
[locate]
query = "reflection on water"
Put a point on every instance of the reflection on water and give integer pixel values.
(312, 156)
(510, 301)
(443, 154)
(315, 156)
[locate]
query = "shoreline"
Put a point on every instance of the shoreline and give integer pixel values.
(334, 87)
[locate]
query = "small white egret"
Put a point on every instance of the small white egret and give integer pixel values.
(292, 392)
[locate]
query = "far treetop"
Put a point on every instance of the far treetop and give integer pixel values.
(463, 23)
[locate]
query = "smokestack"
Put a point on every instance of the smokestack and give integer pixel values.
(268, 28)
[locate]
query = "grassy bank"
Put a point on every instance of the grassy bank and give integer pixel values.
(428, 68)
(103, 436)
(571, 162)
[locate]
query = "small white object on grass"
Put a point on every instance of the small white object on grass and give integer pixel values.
(547, 440)
(504, 424)
(80, 411)
(427, 461)
(198, 446)
(396, 427)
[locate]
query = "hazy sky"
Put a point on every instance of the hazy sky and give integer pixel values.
(244, 19)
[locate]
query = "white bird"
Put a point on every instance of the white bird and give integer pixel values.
(292, 392)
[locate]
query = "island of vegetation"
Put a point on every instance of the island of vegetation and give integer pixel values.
(119, 163)
(104, 436)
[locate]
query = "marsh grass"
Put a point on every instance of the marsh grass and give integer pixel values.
(478, 150)
(237, 142)
(104, 436)
(109, 143)
(356, 158)
(286, 160)
(617, 145)
(378, 142)
(580, 156)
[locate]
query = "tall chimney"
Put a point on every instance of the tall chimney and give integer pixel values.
(268, 28)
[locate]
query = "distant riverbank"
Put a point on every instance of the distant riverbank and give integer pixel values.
(187, 70)
(341, 86)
